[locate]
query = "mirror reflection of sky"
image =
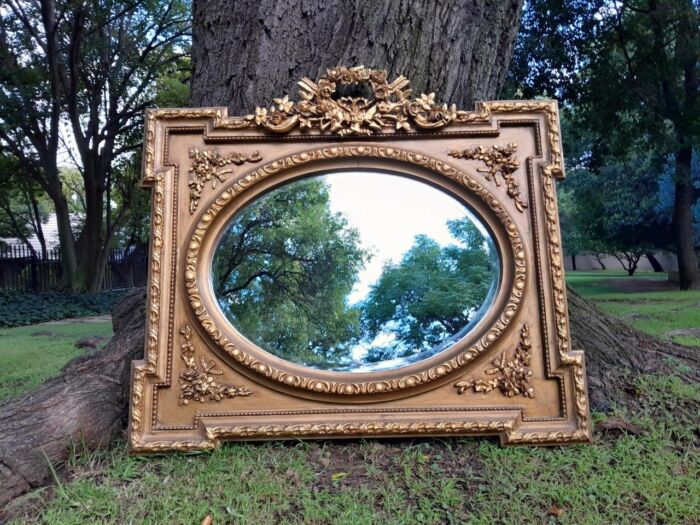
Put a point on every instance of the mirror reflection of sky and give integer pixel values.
(388, 212)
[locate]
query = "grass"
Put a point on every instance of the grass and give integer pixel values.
(661, 313)
(650, 474)
(651, 477)
(47, 347)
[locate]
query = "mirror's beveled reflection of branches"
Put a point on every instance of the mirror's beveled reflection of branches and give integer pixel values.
(332, 274)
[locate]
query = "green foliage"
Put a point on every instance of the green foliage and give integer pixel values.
(23, 205)
(627, 75)
(32, 354)
(283, 270)
(614, 207)
(173, 85)
(431, 294)
(24, 308)
(621, 65)
(81, 74)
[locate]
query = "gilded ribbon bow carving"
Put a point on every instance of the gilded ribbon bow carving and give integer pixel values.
(320, 108)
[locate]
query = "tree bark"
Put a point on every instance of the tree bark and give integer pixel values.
(87, 404)
(683, 221)
(616, 353)
(249, 51)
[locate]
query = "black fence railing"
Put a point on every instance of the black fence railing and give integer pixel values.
(21, 269)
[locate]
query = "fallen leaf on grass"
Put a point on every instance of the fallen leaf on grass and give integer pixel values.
(555, 511)
(337, 476)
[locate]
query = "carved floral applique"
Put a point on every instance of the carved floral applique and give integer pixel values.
(390, 107)
(500, 162)
(210, 165)
(511, 376)
(197, 382)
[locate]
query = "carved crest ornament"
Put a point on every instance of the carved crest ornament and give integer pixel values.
(205, 377)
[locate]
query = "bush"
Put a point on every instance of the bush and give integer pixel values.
(19, 308)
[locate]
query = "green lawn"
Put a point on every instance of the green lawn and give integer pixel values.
(649, 476)
(663, 313)
(32, 354)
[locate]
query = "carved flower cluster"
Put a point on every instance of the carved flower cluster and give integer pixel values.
(197, 383)
(206, 166)
(499, 160)
(391, 106)
(512, 376)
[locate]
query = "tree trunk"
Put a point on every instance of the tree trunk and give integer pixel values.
(617, 352)
(66, 239)
(683, 221)
(87, 404)
(249, 51)
(599, 258)
(573, 262)
(655, 264)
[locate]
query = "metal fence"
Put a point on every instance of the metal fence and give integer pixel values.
(21, 269)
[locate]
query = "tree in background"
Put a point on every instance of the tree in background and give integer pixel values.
(616, 211)
(23, 206)
(612, 205)
(630, 69)
(88, 67)
(283, 270)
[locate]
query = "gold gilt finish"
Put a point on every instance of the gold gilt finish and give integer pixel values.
(499, 160)
(216, 331)
(211, 165)
(198, 381)
(514, 375)
(392, 106)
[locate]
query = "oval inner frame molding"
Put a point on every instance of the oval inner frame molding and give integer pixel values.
(354, 387)
(513, 375)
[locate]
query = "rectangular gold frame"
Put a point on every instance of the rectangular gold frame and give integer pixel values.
(520, 380)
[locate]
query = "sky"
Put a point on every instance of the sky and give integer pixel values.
(389, 211)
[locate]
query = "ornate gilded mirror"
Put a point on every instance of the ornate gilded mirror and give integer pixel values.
(344, 266)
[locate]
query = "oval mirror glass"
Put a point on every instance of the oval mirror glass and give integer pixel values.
(355, 271)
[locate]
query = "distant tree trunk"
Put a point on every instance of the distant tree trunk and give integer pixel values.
(573, 262)
(249, 51)
(655, 264)
(36, 223)
(683, 221)
(599, 258)
(629, 261)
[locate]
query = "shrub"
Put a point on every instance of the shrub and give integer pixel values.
(18, 308)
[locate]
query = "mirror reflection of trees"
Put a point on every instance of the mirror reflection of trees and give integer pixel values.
(430, 295)
(286, 265)
(283, 270)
